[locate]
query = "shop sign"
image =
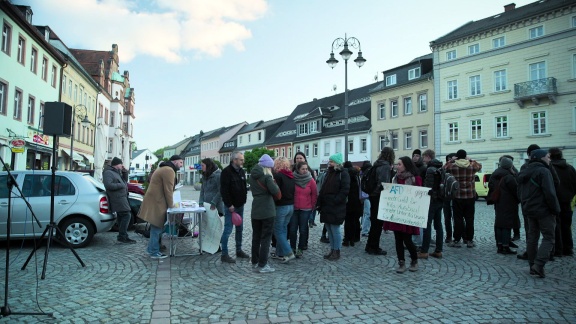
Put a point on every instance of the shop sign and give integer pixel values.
(41, 139)
(17, 145)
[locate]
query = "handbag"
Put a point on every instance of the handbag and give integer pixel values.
(494, 197)
(276, 197)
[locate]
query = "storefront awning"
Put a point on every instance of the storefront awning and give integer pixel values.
(76, 156)
(88, 157)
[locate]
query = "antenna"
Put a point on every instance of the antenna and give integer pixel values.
(376, 76)
(334, 87)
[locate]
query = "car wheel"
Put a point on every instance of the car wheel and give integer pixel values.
(78, 231)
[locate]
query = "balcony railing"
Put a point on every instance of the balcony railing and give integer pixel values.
(535, 90)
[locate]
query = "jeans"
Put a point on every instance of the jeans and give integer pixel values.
(366, 218)
(123, 220)
(545, 225)
(283, 217)
(464, 210)
(228, 230)
(261, 236)
(334, 236)
(299, 223)
(448, 218)
(154, 241)
(312, 216)
(434, 214)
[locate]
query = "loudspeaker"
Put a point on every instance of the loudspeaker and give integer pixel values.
(57, 119)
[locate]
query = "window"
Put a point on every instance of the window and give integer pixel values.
(391, 80)
(423, 135)
(17, 105)
(363, 145)
(250, 140)
(21, 50)
(394, 142)
(298, 148)
(475, 85)
(453, 132)
(3, 96)
(574, 66)
(536, 32)
(41, 123)
(277, 152)
(63, 84)
(422, 102)
(6, 38)
(350, 146)
(408, 106)
(112, 123)
(44, 68)
(70, 89)
(539, 123)
(451, 55)
(75, 93)
(53, 78)
(326, 149)
(394, 108)
(473, 49)
(383, 142)
(110, 145)
(452, 89)
(308, 128)
(289, 151)
(408, 140)
(501, 126)
(259, 136)
(498, 42)
(315, 149)
(382, 111)
(34, 60)
(476, 129)
(338, 147)
(414, 73)
(574, 21)
(30, 115)
(500, 80)
(537, 71)
(39, 186)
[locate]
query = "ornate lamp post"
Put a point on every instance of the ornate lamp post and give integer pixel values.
(85, 122)
(346, 54)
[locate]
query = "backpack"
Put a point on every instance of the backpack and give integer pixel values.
(448, 185)
(369, 182)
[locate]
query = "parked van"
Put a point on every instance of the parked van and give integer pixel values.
(481, 180)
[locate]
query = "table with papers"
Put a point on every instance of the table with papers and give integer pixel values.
(187, 216)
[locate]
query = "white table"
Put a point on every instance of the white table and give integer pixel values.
(193, 218)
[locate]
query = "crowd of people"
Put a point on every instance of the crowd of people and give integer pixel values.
(287, 196)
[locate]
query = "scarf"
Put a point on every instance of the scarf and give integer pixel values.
(302, 180)
(287, 173)
(407, 177)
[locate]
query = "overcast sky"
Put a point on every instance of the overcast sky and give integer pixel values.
(202, 64)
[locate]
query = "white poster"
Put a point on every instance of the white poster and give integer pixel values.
(404, 204)
(211, 230)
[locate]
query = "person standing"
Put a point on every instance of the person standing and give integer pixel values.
(210, 196)
(284, 209)
(463, 168)
(263, 214)
(332, 203)
(447, 209)
(366, 204)
(504, 194)
(353, 207)
(540, 206)
(305, 196)
(234, 193)
(383, 168)
(566, 192)
(432, 181)
(117, 191)
(157, 200)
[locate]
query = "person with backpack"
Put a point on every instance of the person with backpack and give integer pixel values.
(372, 180)
(353, 207)
(447, 208)
(432, 181)
(463, 168)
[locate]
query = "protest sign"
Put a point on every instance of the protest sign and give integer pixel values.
(404, 204)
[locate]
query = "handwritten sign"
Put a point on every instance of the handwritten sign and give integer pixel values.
(404, 204)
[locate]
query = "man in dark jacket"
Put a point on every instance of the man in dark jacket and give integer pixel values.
(419, 162)
(234, 192)
(432, 181)
(566, 192)
(447, 209)
(540, 205)
(117, 190)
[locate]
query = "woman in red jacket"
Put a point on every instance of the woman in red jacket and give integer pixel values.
(305, 196)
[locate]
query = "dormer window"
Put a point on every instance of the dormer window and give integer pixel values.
(308, 128)
(391, 80)
(413, 73)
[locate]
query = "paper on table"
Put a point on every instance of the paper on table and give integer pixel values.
(176, 197)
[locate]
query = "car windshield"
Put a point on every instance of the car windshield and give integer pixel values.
(99, 185)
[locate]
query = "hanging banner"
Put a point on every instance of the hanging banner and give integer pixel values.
(404, 204)
(17, 145)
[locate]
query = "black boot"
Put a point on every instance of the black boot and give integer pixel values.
(500, 251)
(513, 245)
(345, 242)
(507, 250)
(335, 255)
(329, 254)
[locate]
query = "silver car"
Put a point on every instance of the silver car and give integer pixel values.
(80, 205)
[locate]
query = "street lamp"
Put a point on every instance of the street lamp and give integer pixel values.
(85, 122)
(346, 54)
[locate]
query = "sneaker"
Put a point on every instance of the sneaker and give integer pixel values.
(287, 258)
(158, 255)
(422, 255)
(515, 238)
(276, 256)
(298, 253)
(227, 259)
(437, 255)
(470, 244)
(242, 255)
(413, 266)
(455, 244)
(266, 269)
(127, 241)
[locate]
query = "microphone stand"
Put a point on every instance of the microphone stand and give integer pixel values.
(11, 182)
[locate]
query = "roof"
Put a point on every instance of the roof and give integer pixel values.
(232, 143)
(503, 18)
(425, 63)
(59, 45)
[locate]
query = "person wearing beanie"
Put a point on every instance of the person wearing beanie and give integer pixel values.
(502, 193)
(419, 163)
(332, 203)
(539, 207)
(264, 191)
(566, 191)
(117, 191)
(464, 170)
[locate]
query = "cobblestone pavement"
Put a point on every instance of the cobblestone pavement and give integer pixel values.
(121, 284)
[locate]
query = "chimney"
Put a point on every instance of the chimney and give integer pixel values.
(509, 7)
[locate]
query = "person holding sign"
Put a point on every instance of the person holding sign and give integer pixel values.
(406, 174)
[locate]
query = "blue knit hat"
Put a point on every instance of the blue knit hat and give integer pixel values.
(266, 161)
(336, 158)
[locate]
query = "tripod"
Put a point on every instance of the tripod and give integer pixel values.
(51, 227)
(11, 182)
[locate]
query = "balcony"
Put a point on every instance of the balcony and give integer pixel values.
(535, 91)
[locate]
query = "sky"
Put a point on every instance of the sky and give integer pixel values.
(198, 65)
